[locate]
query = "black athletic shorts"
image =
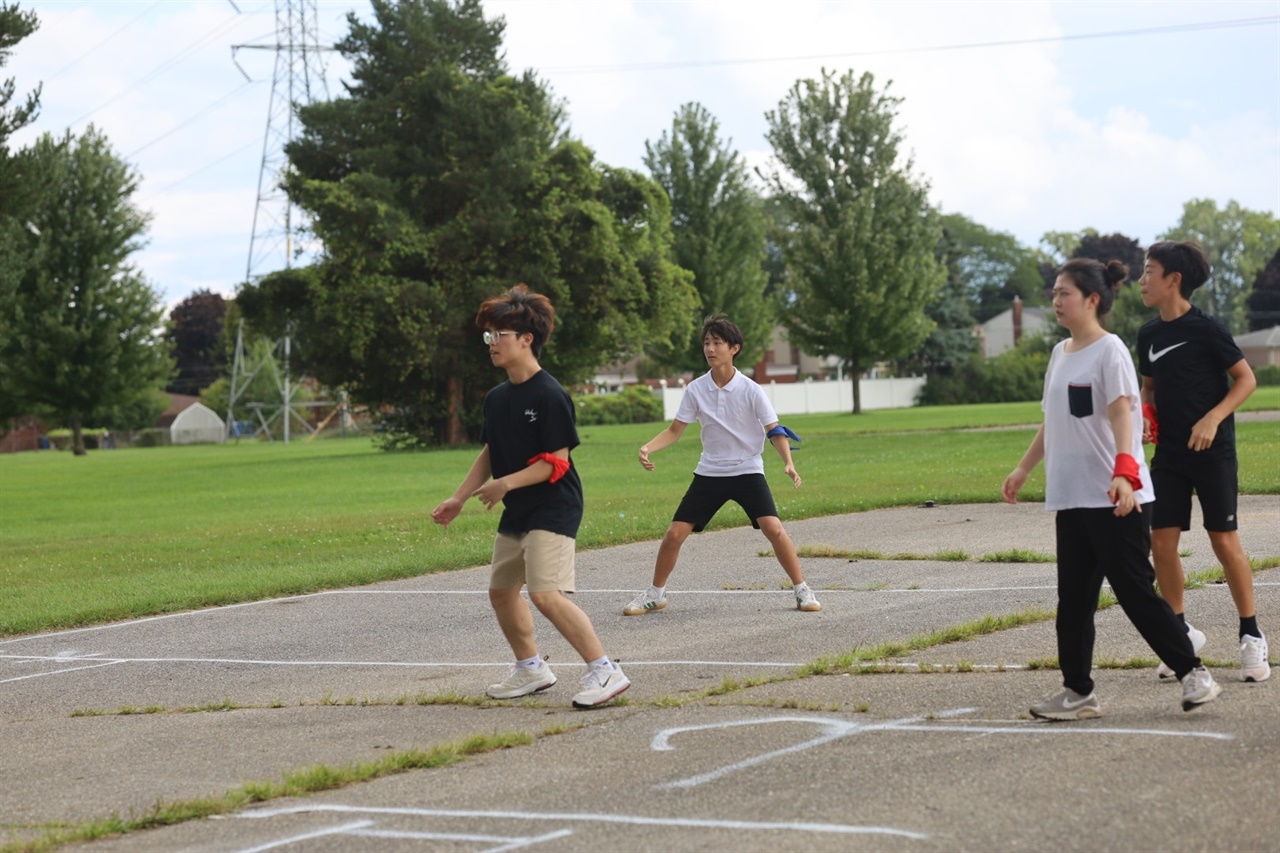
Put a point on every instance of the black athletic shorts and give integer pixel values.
(1215, 482)
(707, 494)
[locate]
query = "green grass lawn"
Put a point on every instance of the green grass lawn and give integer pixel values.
(125, 533)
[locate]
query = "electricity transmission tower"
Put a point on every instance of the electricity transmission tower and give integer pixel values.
(298, 79)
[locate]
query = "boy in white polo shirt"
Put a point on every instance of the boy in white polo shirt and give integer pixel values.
(736, 417)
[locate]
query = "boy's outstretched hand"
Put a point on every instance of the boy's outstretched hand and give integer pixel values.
(793, 474)
(644, 458)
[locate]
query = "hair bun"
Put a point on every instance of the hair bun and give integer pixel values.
(1117, 272)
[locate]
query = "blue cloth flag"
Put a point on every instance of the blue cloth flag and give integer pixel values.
(781, 430)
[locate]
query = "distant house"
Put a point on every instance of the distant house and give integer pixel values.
(21, 434)
(1003, 331)
(191, 422)
(1260, 348)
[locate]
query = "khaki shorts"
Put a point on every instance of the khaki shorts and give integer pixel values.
(539, 558)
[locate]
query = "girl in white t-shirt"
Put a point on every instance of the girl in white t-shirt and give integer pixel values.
(1099, 485)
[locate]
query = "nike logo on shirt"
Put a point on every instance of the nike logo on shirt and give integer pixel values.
(1155, 356)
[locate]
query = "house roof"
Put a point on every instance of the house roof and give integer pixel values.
(178, 403)
(1262, 338)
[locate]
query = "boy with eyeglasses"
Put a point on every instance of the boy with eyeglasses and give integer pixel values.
(528, 431)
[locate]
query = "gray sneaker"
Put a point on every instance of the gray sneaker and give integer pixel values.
(1198, 687)
(642, 603)
(1163, 672)
(1068, 705)
(522, 682)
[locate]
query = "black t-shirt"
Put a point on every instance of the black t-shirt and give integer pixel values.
(521, 421)
(1188, 358)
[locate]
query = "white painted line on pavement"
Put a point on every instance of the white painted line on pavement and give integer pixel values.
(250, 662)
(57, 671)
(506, 842)
(634, 820)
(836, 729)
(307, 836)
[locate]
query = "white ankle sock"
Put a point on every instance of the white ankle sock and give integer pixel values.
(656, 591)
(601, 662)
(529, 663)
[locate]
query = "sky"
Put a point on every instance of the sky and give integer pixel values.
(1025, 116)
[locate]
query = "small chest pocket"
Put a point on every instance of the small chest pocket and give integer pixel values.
(1080, 400)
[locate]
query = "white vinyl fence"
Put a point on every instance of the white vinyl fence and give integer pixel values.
(809, 397)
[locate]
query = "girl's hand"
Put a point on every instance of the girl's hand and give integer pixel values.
(1012, 485)
(1121, 494)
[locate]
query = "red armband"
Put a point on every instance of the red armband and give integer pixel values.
(1149, 415)
(1127, 467)
(559, 467)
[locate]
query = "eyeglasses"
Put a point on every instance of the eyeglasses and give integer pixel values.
(491, 338)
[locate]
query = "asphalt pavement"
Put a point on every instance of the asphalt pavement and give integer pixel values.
(936, 752)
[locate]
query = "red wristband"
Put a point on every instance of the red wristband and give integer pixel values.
(559, 467)
(1127, 467)
(1149, 415)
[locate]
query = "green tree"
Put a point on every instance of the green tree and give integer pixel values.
(83, 324)
(992, 266)
(439, 181)
(1264, 301)
(718, 230)
(861, 249)
(15, 25)
(16, 195)
(196, 331)
(1239, 242)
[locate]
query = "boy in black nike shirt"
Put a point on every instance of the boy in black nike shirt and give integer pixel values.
(1185, 357)
(528, 432)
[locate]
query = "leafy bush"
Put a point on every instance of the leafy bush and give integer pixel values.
(1010, 377)
(635, 404)
(1269, 375)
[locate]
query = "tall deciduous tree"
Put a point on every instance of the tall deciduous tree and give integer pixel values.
(860, 252)
(718, 230)
(441, 180)
(83, 324)
(1239, 242)
(992, 266)
(197, 334)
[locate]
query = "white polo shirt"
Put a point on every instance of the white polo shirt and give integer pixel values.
(733, 419)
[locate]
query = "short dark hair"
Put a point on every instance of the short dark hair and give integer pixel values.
(1186, 257)
(522, 312)
(1095, 277)
(723, 328)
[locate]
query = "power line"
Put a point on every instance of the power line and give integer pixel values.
(164, 66)
(199, 115)
(76, 61)
(714, 63)
(164, 188)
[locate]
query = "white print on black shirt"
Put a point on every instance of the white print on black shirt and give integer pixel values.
(1155, 356)
(532, 415)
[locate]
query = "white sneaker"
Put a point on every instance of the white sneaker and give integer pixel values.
(1198, 687)
(522, 682)
(1197, 643)
(1254, 665)
(807, 601)
(600, 685)
(642, 603)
